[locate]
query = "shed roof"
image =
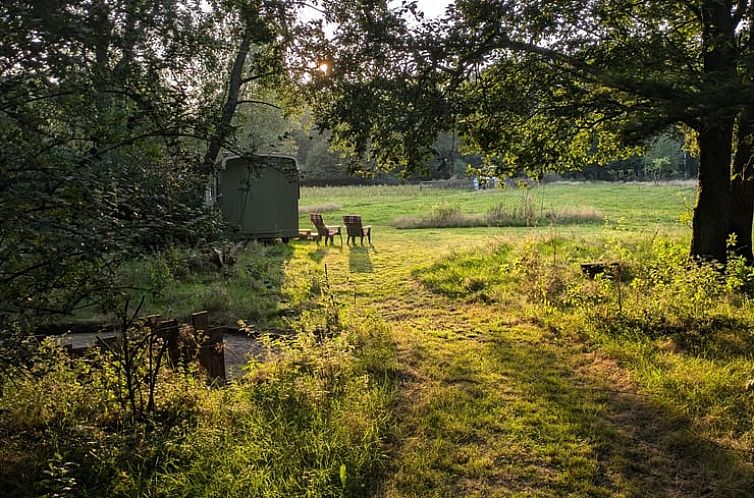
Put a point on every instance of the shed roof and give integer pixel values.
(287, 165)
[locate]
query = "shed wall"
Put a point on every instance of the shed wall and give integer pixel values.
(260, 197)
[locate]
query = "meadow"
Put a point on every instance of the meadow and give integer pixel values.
(279, 286)
(637, 205)
(444, 362)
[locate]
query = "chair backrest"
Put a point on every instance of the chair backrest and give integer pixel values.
(318, 222)
(353, 225)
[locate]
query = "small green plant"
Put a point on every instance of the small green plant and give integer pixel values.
(160, 276)
(215, 299)
(332, 322)
(59, 480)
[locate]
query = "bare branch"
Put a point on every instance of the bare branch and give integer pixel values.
(693, 8)
(258, 77)
(144, 136)
(311, 6)
(260, 102)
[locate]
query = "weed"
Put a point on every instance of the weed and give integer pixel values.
(215, 299)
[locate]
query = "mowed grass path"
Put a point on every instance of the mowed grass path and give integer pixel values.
(490, 406)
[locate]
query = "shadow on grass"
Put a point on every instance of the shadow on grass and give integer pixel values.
(530, 418)
(181, 281)
(634, 442)
(319, 254)
(727, 341)
(250, 289)
(359, 260)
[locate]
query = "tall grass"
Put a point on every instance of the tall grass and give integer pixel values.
(500, 215)
(683, 329)
(309, 421)
(252, 288)
(318, 208)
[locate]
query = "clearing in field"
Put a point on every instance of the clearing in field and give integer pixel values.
(505, 390)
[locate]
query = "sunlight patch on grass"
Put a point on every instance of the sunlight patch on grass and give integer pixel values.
(683, 333)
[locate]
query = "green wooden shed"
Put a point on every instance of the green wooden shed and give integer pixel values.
(258, 195)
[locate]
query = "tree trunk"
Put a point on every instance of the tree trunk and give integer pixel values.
(101, 76)
(742, 186)
(223, 126)
(742, 173)
(712, 210)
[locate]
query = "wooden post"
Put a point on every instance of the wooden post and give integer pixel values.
(211, 353)
(200, 321)
(168, 331)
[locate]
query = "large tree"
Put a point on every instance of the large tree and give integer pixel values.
(548, 84)
(110, 111)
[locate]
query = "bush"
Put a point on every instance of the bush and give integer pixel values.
(216, 299)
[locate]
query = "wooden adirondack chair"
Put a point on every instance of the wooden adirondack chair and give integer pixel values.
(326, 231)
(354, 229)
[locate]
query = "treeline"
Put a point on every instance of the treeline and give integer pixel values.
(663, 158)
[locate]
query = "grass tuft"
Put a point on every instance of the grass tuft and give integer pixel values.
(318, 208)
(500, 215)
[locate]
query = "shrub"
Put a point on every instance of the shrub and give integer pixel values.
(216, 299)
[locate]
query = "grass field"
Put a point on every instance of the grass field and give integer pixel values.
(498, 370)
(506, 393)
(636, 205)
(265, 272)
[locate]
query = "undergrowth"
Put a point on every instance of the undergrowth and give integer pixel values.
(255, 287)
(683, 329)
(308, 421)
